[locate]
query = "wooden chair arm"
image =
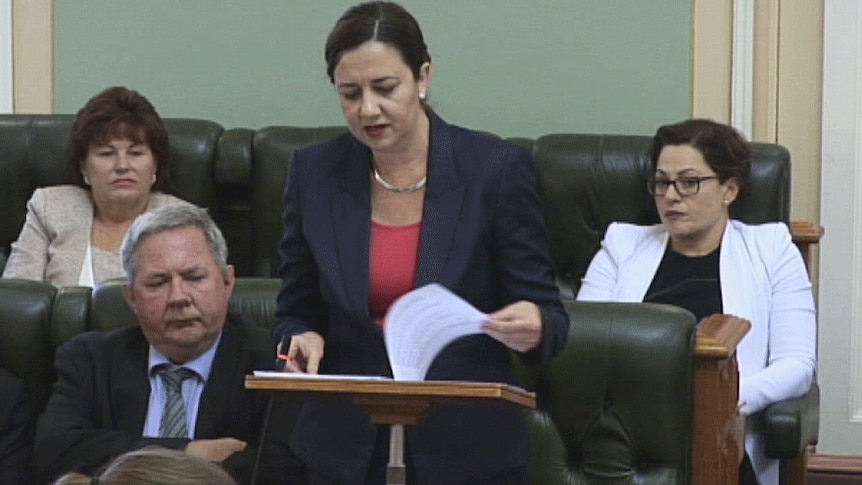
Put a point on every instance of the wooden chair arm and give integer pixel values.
(718, 437)
(806, 234)
(719, 334)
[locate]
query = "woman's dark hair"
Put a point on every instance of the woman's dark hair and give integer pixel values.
(724, 149)
(385, 22)
(119, 112)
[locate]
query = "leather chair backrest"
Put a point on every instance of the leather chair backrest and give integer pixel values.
(615, 406)
(273, 148)
(588, 181)
(253, 297)
(36, 318)
(25, 346)
(232, 174)
(33, 156)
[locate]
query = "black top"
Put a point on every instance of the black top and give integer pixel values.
(691, 282)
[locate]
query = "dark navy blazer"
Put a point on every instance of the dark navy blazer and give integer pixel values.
(483, 237)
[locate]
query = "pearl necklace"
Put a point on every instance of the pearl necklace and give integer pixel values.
(394, 188)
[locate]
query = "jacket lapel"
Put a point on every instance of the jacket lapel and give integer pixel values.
(350, 214)
(131, 383)
(221, 382)
(443, 200)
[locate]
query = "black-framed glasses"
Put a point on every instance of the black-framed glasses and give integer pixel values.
(682, 185)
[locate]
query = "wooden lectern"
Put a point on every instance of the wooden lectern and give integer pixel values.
(396, 403)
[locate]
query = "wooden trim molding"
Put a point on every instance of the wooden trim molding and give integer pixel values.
(6, 105)
(840, 296)
(742, 72)
(835, 464)
(711, 59)
(765, 80)
(33, 56)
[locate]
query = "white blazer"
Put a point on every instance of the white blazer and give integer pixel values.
(763, 279)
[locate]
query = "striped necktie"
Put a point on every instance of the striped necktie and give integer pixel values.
(173, 423)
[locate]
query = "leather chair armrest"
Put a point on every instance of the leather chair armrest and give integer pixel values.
(792, 425)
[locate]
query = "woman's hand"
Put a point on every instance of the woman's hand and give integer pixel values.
(518, 326)
(303, 353)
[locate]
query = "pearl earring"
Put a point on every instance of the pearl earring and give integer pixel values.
(86, 179)
(154, 178)
(422, 95)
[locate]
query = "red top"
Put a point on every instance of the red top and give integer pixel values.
(394, 251)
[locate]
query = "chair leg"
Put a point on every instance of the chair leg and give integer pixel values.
(795, 470)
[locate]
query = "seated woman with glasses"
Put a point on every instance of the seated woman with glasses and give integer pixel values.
(700, 259)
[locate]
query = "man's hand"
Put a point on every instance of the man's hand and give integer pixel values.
(518, 326)
(215, 450)
(303, 353)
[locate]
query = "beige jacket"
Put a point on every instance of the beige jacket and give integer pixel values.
(56, 234)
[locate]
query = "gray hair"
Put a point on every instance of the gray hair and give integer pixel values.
(164, 219)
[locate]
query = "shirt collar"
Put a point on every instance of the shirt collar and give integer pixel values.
(200, 365)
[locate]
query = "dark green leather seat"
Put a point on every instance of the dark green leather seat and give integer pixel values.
(273, 148)
(588, 181)
(33, 156)
(615, 406)
(26, 309)
(36, 318)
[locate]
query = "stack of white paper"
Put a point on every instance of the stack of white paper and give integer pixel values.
(420, 323)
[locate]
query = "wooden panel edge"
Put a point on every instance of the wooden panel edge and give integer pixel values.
(719, 334)
(849, 464)
(806, 232)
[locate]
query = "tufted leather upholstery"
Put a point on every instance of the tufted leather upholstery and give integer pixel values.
(585, 181)
(589, 181)
(604, 415)
(25, 336)
(273, 149)
(594, 396)
(36, 318)
(33, 156)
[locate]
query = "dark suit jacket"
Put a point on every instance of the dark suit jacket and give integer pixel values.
(16, 431)
(99, 404)
(483, 237)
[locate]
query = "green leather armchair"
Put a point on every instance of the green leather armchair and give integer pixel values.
(585, 181)
(26, 309)
(594, 396)
(589, 181)
(615, 406)
(36, 318)
(33, 156)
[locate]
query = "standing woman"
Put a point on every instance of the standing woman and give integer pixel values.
(700, 259)
(118, 156)
(403, 200)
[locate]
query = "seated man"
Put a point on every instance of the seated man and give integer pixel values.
(175, 381)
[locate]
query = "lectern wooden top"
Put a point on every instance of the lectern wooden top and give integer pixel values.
(386, 389)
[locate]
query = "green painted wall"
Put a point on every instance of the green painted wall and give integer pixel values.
(512, 67)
